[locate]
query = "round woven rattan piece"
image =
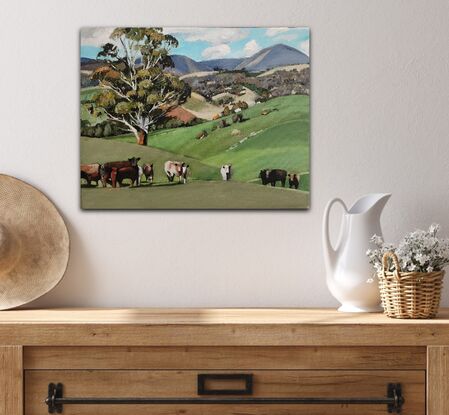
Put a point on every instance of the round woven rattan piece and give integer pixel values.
(409, 294)
(34, 243)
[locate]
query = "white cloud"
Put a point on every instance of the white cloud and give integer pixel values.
(273, 31)
(215, 36)
(287, 37)
(216, 51)
(251, 48)
(95, 36)
(304, 47)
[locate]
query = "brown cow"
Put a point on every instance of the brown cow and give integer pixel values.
(293, 180)
(132, 173)
(148, 171)
(91, 173)
(106, 168)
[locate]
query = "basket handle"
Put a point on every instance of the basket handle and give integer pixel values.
(394, 258)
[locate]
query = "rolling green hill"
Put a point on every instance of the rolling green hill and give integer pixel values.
(277, 140)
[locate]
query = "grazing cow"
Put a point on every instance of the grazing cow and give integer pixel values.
(176, 169)
(293, 180)
(226, 172)
(173, 169)
(91, 173)
(148, 171)
(120, 174)
(272, 176)
(106, 168)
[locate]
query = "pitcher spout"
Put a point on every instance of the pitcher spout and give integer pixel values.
(372, 203)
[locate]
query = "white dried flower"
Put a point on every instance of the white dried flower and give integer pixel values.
(419, 251)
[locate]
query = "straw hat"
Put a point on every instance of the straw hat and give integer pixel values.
(34, 243)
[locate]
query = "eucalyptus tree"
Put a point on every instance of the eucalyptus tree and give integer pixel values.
(136, 90)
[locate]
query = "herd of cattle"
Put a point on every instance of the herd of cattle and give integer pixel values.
(275, 175)
(114, 172)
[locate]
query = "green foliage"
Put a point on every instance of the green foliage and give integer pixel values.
(100, 130)
(214, 127)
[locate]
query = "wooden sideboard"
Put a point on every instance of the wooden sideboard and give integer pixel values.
(221, 362)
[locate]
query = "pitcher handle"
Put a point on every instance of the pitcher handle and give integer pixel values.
(326, 233)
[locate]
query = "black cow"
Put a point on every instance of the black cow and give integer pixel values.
(272, 176)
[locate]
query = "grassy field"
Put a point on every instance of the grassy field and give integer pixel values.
(279, 139)
(207, 195)
(95, 150)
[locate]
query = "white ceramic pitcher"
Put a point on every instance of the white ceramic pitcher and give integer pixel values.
(349, 275)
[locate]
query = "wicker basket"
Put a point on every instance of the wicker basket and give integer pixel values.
(409, 294)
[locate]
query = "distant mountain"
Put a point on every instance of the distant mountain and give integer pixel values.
(88, 64)
(85, 61)
(224, 64)
(268, 58)
(277, 55)
(185, 65)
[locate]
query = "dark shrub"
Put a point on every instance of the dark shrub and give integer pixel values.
(107, 130)
(243, 105)
(99, 131)
(226, 111)
(222, 124)
(103, 129)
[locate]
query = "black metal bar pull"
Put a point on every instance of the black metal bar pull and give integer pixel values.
(55, 400)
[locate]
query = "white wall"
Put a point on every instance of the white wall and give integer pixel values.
(380, 122)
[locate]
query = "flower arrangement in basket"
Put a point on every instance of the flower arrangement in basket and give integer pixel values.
(411, 274)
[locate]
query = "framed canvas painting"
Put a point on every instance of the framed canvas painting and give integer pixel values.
(195, 118)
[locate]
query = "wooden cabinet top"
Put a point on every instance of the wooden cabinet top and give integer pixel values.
(220, 327)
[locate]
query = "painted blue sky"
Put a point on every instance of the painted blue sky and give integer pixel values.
(211, 43)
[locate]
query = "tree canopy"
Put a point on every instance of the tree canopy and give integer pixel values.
(136, 90)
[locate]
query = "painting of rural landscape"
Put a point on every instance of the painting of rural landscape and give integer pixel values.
(195, 118)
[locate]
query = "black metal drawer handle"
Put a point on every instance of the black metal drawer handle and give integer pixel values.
(55, 400)
(246, 378)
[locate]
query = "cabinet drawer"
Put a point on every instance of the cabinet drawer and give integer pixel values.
(279, 384)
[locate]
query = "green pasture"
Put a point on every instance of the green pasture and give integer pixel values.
(194, 195)
(279, 139)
